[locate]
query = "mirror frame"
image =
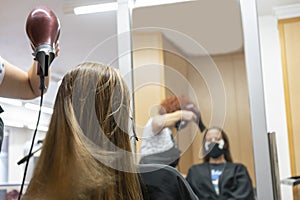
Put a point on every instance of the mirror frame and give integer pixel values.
(264, 184)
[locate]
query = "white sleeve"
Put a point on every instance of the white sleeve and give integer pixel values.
(147, 131)
(2, 70)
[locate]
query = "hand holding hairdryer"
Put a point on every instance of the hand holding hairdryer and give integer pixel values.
(194, 109)
(191, 107)
(43, 29)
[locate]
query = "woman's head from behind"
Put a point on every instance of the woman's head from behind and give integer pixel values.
(216, 144)
(99, 101)
(86, 153)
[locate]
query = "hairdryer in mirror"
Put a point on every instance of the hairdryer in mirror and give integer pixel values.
(43, 29)
(182, 124)
(196, 111)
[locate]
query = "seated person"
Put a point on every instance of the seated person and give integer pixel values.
(218, 177)
(86, 153)
(158, 145)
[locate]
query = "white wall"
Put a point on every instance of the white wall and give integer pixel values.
(18, 143)
(274, 95)
(18, 139)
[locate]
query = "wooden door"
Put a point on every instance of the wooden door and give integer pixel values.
(289, 30)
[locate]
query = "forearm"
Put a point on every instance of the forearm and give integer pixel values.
(34, 80)
(167, 120)
(20, 84)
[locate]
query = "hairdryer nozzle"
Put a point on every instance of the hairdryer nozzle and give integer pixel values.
(44, 54)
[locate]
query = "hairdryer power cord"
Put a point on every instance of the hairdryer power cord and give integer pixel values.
(42, 88)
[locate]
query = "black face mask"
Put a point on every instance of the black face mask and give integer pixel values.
(214, 151)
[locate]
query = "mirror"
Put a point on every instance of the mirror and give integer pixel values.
(195, 49)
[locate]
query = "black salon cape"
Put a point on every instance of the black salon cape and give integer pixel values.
(234, 183)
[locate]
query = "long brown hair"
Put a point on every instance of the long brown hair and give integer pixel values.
(87, 144)
(227, 154)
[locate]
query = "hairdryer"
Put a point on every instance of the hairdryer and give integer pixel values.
(43, 29)
(182, 124)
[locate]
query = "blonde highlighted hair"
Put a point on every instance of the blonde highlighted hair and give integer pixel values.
(86, 153)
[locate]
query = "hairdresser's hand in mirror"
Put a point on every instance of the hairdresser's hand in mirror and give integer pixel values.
(186, 115)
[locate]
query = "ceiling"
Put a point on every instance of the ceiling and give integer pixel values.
(265, 7)
(93, 37)
(196, 27)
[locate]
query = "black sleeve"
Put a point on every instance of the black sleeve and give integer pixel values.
(244, 188)
(188, 176)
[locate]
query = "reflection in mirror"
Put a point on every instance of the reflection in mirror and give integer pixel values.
(194, 49)
(289, 38)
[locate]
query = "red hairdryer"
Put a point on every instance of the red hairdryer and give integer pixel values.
(43, 29)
